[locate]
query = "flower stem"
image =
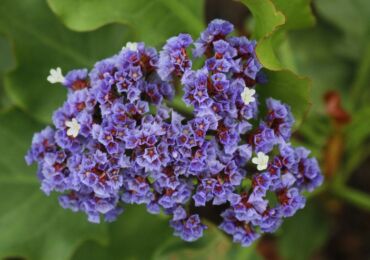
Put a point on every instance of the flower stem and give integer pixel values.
(352, 196)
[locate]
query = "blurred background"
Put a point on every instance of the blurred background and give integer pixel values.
(320, 52)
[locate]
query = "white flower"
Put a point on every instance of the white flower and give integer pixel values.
(248, 95)
(261, 161)
(55, 76)
(73, 127)
(132, 46)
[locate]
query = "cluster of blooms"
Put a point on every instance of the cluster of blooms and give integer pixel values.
(116, 142)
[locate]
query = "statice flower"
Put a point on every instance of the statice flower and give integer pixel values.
(173, 58)
(116, 140)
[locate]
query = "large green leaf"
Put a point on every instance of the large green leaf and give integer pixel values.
(153, 21)
(139, 235)
(284, 85)
(267, 17)
(6, 63)
(303, 234)
(7, 59)
(321, 62)
(135, 235)
(273, 18)
(41, 42)
(352, 17)
(33, 225)
(298, 13)
(213, 245)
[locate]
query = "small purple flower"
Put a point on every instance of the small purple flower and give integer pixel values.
(290, 201)
(308, 174)
(173, 59)
(76, 79)
(242, 232)
(189, 229)
(279, 118)
(217, 29)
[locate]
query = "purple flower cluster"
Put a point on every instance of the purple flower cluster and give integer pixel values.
(116, 142)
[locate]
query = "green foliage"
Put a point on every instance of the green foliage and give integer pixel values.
(267, 17)
(135, 235)
(273, 19)
(298, 13)
(152, 21)
(351, 17)
(321, 63)
(31, 224)
(40, 43)
(303, 234)
(213, 245)
(6, 63)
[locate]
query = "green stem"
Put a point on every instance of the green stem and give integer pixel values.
(180, 106)
(352, 196)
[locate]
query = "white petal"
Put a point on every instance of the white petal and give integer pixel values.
(255, 160)
(248, 95)
(261, 167)
(68, 123)
(261, 161)
(50, 78)
(73, 127)
(132, 46)
(70, 132)
(55, 76)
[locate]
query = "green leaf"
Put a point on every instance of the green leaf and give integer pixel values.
(266, 51)
(291, 89)
(140, 235)
(267, 17)
(153, 21)
(322, 63)
(7, 59)
(298, 13)
(41, 42)
(135, 235)
(273, 18)
(303, 234)
(352, 17)
(33, 225)
(213, 245)
(6, 63)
